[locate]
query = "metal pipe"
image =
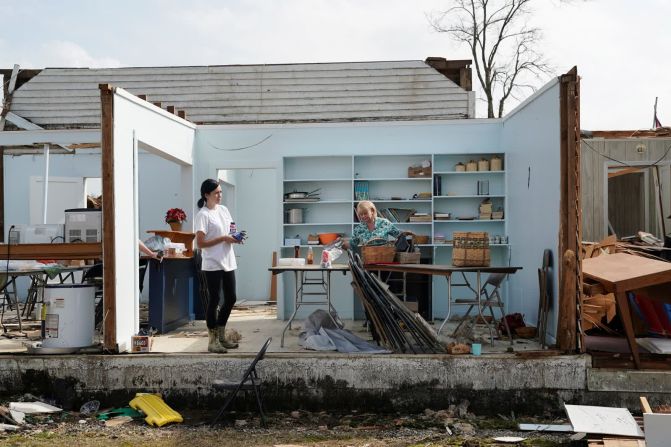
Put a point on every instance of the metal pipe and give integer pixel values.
(46, 183)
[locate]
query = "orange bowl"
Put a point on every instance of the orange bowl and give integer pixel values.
(327, 238)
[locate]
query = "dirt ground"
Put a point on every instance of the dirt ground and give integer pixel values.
(294, 429)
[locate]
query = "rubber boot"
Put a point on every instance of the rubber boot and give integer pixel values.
(221, 333)
(213, 344)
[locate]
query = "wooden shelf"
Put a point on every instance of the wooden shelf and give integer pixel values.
(74, 250)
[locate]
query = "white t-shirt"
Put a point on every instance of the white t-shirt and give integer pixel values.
(215, 223)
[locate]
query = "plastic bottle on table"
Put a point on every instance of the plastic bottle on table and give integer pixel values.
(310, 257)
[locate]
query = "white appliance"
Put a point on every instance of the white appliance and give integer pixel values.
(83, 225)
(69, 311)
(36, 234)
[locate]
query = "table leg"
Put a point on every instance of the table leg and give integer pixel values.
(328, 297)
(480, 309)
(623, 309)
(448, 277)
(299, 285)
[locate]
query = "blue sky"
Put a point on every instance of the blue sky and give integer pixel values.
(619, 46)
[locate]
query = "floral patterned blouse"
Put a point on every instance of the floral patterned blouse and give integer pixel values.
(383, 229)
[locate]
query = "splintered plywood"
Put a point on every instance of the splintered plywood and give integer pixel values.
(622, 267)
(603, 420)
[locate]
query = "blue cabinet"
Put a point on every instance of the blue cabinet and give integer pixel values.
(174, 297)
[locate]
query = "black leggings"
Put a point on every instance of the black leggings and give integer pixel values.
(219, 280)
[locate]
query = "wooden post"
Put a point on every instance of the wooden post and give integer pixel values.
(109, 267)
(273, 280)
(566, 327)
(570, 215)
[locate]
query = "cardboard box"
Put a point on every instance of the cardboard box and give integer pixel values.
(141, 343)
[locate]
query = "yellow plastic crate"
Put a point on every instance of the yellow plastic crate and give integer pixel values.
(157, 411)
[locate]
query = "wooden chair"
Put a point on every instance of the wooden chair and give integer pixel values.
(250, 382)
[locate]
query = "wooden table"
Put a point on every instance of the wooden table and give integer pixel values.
(302, 280)
(447, 271)
(621, 273)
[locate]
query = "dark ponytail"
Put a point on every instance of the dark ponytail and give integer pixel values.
(206, 187)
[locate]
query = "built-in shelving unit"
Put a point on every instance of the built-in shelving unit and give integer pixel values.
(386, 182)
(342, 181)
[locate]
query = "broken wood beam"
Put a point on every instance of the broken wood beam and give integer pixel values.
(566, 327)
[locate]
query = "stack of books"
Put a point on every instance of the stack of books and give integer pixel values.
(498, 214)
(442, 216)
(486, 209)
(420, 217)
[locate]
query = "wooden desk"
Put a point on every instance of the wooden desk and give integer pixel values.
(621, 273)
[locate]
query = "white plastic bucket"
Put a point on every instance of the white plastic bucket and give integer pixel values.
(69, 315)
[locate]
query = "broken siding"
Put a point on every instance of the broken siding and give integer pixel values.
(594, 182)
(251, 93)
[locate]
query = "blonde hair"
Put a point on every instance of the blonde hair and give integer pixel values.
(366, 205)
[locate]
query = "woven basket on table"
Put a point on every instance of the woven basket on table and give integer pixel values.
(471, 249)
(404, 257)
(412, 257)
(377, 254)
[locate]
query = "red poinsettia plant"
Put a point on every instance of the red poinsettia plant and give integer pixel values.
(175, 215)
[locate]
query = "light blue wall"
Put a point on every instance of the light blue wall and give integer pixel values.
(529, 136)
(231, 147)
(531, 139)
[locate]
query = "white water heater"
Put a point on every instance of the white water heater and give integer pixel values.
(69, 315)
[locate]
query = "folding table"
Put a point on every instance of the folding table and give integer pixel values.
(302, 280)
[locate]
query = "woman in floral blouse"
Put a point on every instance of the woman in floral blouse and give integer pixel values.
(371, 226)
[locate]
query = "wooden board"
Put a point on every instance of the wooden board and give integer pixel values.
(79, 250)
(621, 267)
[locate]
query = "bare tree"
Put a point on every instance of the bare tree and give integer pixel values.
(503, 46)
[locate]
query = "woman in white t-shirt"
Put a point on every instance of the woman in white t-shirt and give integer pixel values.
(212, 224)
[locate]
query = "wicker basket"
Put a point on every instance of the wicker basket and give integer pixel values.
(404, 257)
(377, 254)
(471, 249)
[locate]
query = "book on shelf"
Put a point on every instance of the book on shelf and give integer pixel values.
(361, 190)
(437, 185)
(420, 218)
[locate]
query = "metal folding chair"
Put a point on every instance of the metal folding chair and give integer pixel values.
(250, 382)
(489, 297)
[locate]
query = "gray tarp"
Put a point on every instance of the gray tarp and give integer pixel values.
(321, 334)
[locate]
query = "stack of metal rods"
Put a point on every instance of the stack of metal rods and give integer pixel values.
(394, 326)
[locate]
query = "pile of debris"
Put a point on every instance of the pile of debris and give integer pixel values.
(394, 326)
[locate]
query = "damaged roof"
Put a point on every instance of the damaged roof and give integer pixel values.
(320, 92)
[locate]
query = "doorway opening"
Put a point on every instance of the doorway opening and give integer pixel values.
(248, 194)
(638, 200)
